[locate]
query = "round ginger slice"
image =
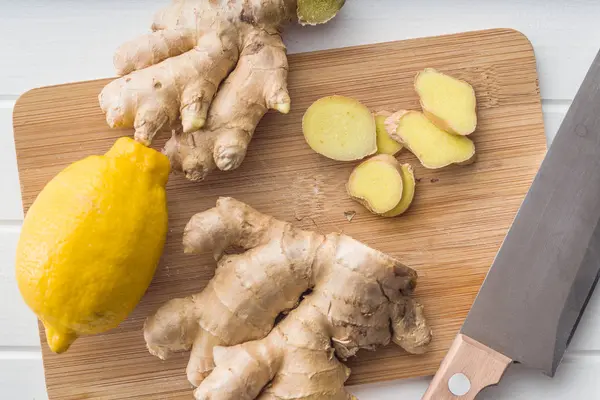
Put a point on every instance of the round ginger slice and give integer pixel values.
(448, 102)
(340, 128)
(311, 12)
(377, 184)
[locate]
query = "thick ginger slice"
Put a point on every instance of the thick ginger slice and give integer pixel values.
(340, 128)
(448, 102)
(385, 144)
(208, 71)
(377, 183)
(359, 298)
(408, 192)
(313, 12)
(434, 147)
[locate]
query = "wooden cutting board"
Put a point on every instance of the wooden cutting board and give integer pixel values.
(450, 235)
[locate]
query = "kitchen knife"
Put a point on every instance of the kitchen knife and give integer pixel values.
(540, 281)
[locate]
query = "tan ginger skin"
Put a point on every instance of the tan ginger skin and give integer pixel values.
(210, 70)
(337, 295)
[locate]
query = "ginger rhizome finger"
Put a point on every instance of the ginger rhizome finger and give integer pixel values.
(448, 102)
(385, 144)
(408, 192)
(359, 298)
(208, 72)
(340, 128)
(257, 84)
(248, 290)
(377, 183)
(434, 147)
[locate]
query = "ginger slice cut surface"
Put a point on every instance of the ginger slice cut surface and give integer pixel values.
(340, 128)
(385, 144)
(408, 192)
(434, 147)
(377, 183)
(449, 102)
(313, 12)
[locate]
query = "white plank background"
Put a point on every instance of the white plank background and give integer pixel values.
(50, 42)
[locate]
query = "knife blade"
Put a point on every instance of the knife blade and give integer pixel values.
(537, 288)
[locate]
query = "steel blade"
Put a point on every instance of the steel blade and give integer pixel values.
(539, 283)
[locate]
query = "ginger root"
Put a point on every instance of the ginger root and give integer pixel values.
(208, 71)
(340, 128)
(358, 298)
(448, 102)
(434, 147)
(377, 183)
(385, 144)
(408, 192)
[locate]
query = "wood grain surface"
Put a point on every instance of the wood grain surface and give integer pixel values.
(481, 365)
(450, 235)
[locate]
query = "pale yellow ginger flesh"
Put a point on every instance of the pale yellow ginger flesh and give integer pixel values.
(340, 128)
(377, 183)
(385, 144)
(408, 192)
(434, 147)
(449, 102)
(208, 72)
(313, 12)
(359, 298)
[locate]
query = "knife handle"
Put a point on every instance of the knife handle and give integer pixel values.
(481, 365)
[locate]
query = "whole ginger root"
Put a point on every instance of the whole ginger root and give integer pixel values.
(336, 296)
(209, 71)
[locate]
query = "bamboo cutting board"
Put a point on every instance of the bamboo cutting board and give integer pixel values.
(450, 234)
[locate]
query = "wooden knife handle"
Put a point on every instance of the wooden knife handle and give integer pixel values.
(480, 364)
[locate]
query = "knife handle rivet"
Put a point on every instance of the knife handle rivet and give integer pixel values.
(459, 384)
(581, 130)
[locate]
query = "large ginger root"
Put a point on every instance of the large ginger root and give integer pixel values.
(434, 147)
(449, 102)
(248, 290)
(377, 183)
(359, 299)
(209, 71)
(340, 128)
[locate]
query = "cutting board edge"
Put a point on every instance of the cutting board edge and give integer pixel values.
(34, 91)
(316, 52)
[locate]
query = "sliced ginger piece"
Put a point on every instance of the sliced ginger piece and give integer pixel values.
(434, 147)
(385, 144)
(408, 192)
(377, 183)
(449, 102)
(313, 12)
(340, 128)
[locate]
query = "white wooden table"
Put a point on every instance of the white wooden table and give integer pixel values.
(47, 42)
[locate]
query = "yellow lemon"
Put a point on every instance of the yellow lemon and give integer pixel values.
(91, 241)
